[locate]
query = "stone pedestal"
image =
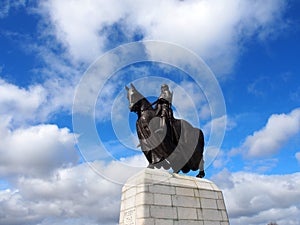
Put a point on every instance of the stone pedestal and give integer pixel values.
(156, 197)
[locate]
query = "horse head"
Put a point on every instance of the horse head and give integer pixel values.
(133, 96)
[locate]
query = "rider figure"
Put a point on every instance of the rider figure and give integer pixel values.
(163, 106)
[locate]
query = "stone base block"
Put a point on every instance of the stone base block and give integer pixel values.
(156, 197)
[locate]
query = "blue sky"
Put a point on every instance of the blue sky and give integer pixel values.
(50, 173)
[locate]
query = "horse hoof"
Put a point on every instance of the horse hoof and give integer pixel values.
(201, 174)
(150, 166)
(166, 166)
(176, 171)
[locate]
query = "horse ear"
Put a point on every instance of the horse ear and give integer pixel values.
(132, 86)
(127, 88)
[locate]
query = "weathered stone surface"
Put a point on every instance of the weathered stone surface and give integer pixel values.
(155, 196)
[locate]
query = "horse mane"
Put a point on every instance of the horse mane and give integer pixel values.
(142, 105)
(145, 104)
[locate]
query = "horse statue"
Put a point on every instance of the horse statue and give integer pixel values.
(179, 146)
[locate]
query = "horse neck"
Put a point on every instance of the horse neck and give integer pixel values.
(143, 105)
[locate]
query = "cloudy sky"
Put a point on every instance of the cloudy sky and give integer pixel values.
(67, 139)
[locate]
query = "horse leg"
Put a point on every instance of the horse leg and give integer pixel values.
(201, 173)
(150, 166)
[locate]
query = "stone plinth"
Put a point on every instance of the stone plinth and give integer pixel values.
(156, 197)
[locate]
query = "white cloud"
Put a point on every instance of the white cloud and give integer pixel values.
(220, 122)
(259, 199)
(19, 103)
(78, 195)
(261, 165)
(278, 130)
(60, 95)
(78, 24)
(86, 28)
(86, 201)
(37, 102)
(36, 150)
(221, 159)
(137, 160)
(75, 195)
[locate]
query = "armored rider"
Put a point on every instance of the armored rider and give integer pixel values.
(163, 106)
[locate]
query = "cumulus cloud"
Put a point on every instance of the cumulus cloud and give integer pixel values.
(75, 195)
(220, 159)
(189, 23)
(259, 199)
(20, 103)
(98, 22)
(36, 150)
(36, 103)
(83, 40)
(32, 150)
(81, 196)
(46, 187)
(278, 130)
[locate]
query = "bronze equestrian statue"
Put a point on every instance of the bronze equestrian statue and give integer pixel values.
(166, 141)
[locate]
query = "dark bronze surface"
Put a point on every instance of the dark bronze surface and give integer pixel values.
(166, 141)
